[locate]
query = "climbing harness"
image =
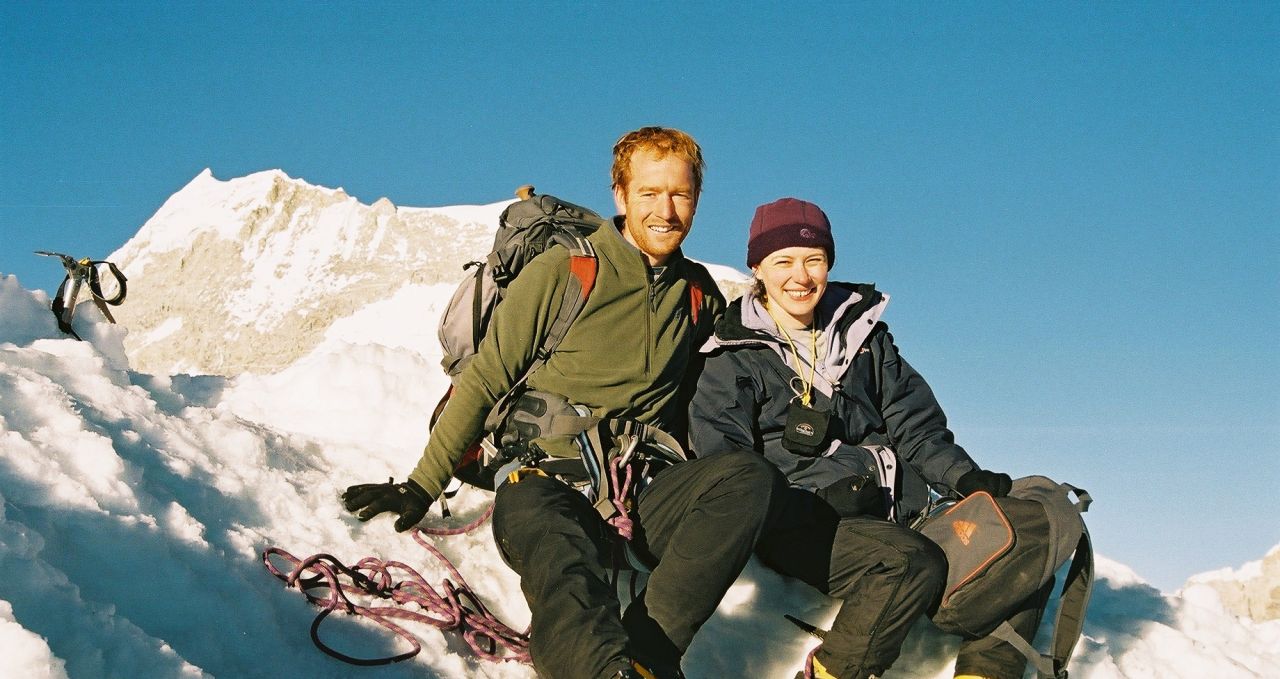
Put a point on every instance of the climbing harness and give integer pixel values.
(80, 272)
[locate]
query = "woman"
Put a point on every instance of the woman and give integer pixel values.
(801, 370)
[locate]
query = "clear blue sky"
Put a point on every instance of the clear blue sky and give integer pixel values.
(1076, 206)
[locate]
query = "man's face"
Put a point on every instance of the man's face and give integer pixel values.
(657, 204)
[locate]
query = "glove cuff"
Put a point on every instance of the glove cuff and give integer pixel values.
(418, 491)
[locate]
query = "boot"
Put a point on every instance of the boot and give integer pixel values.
(638, 671)
(814, 669)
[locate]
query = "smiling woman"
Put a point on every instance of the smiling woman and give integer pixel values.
(860, 438)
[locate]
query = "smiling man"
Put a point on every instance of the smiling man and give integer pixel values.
(624, 360)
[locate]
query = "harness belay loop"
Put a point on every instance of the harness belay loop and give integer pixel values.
(621, 457)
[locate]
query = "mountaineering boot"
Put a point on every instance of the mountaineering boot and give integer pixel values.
(638, 671)
(814, 670)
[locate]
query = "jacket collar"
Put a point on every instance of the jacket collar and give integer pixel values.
(746, 322)
(670, 270)
(847, 315)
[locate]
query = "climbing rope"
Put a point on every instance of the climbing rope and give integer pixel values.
(408, 596)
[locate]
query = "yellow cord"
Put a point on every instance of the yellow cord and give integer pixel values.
(806, 395)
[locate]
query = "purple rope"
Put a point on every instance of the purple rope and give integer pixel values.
(808, 662)
(622, 522)
(455, 607)
(463, 529)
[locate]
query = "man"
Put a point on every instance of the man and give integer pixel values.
(624, 359)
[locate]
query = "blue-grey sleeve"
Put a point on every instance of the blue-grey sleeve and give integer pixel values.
(724, 407)
(915, 422)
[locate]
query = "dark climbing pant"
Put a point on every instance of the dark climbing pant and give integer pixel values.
(697, 522)
(886, 574)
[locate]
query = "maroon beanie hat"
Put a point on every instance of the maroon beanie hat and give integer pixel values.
(785, 223)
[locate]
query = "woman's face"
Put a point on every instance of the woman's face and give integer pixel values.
(794, 280)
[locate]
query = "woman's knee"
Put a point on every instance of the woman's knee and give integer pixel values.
(896, 548)
(748, 469)
(926, 562)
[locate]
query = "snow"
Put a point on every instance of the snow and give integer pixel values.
(136, 506)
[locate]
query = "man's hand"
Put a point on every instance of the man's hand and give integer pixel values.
(855, 495)
(974, 480)
(407, 499)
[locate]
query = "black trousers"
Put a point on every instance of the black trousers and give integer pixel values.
(698, 522)
(886, 574)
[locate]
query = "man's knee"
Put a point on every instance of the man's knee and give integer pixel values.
(523, 513)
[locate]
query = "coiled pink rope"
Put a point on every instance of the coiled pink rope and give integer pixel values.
(410, 598)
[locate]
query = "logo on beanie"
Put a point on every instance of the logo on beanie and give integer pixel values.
(806, 234)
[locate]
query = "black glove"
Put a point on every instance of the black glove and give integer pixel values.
(855, 495)
(974, 480)
(407, 499)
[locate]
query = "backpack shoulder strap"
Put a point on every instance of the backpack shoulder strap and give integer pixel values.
(695, 299)
(583, 266)
(1076, 592)
(1069, 624)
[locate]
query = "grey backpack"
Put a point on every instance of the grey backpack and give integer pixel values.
(526, 229)
(1000, 551)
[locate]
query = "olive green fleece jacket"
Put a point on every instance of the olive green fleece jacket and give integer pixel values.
(625, 356)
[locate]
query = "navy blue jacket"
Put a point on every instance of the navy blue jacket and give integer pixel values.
(876, 398)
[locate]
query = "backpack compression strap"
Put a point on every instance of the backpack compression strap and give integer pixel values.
(1074, 600)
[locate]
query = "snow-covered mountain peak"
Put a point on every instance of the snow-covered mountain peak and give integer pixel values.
(248, 273)
(1252, 590)
(252, 273)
